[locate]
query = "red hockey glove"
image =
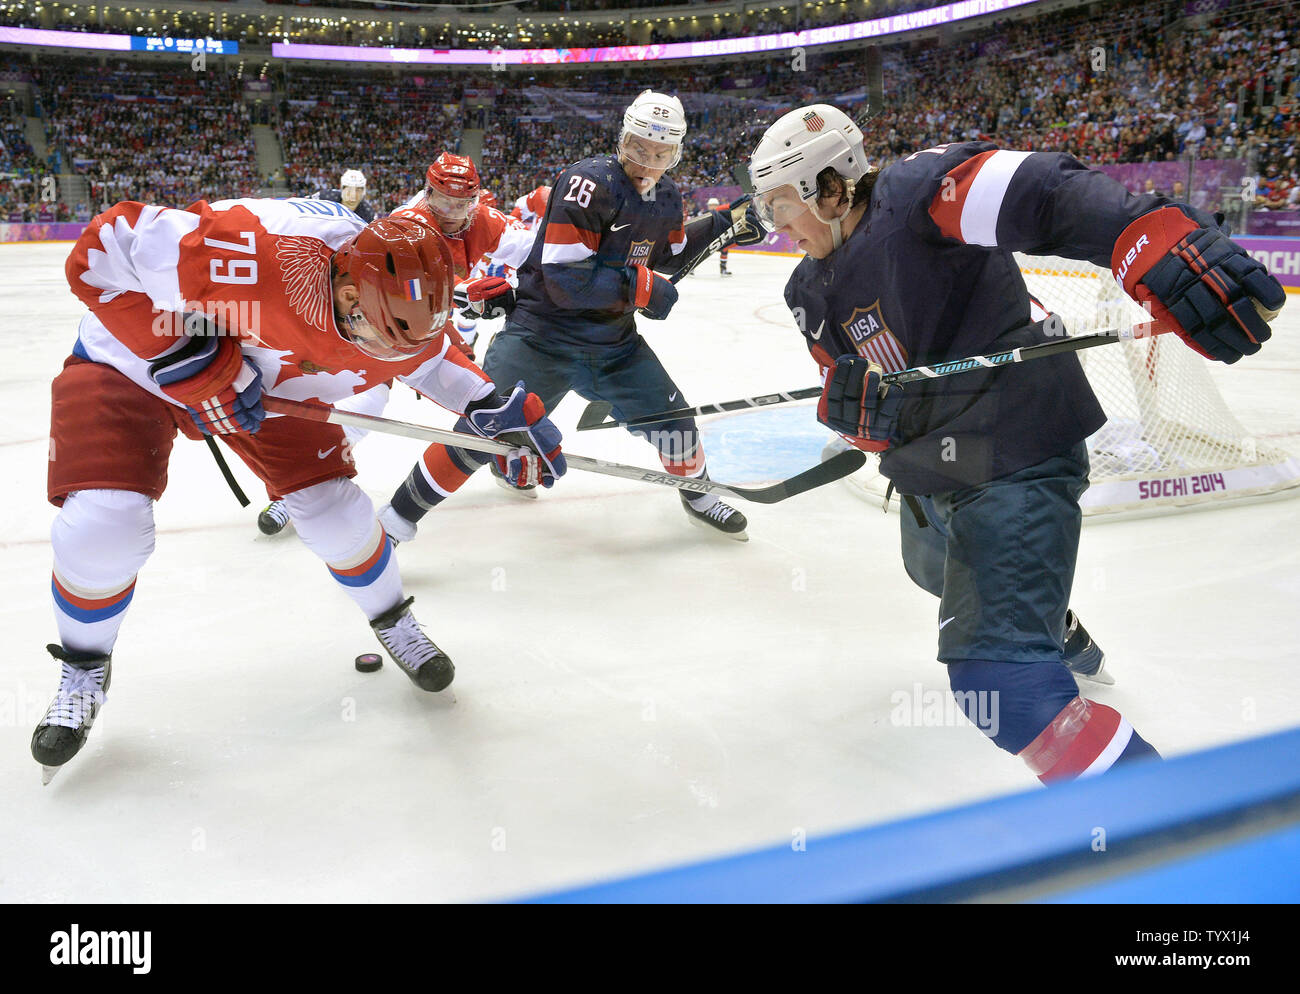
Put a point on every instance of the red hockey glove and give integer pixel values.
(1198, 282)
(487, 297)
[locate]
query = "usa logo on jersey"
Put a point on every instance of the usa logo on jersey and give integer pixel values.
(639, 253)
(872, 338)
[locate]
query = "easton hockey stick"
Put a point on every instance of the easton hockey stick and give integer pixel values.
(593, 417)
(833, 469)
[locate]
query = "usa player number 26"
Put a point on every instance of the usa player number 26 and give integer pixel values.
(580, 191)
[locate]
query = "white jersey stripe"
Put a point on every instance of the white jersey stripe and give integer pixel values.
(979, 215)
(558, 253)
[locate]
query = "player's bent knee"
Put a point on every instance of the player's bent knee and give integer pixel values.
(334, 519)
(1011, 703)
(101, 538)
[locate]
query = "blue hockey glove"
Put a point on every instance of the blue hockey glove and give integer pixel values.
(221, 389)
(1198, 282)
(853, 403)
(653, 295)
(520, 420)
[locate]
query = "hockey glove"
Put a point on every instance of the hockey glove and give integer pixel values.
(519, 420)
(487, 297)
(854, 404)
(1204, 286)
(209, 375)
(652, 294)
(743, 214)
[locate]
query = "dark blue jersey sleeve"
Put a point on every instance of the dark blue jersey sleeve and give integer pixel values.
(686, 242)
(1039, 203)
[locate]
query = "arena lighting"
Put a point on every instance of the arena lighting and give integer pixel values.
(891, 25)
(115, 43)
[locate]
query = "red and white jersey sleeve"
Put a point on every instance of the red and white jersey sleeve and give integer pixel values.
(513, 243)
(259, 270)
(530, 206)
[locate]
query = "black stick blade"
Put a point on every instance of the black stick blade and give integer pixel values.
(595, 414)
(835, 468)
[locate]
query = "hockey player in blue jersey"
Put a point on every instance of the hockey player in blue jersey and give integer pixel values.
(351, 194)
(913, 265)
(612, 225)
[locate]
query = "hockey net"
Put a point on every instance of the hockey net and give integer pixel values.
(1169, 441)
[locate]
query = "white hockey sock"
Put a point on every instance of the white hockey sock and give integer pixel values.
(336, 521)
(101, 539)
(371, 578)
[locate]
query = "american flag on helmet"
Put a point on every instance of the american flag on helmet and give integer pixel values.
(814, 121)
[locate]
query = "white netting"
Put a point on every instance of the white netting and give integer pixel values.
(1169, 440)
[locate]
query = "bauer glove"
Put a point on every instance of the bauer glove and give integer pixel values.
(1197, 281)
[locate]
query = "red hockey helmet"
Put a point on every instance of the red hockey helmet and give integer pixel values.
(451, 191)
(403, 271)
(489, 199)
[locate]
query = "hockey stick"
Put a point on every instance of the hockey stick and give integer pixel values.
(741, 174)
(222, 465)
(595, 413)
(594, 416)
(833, 469)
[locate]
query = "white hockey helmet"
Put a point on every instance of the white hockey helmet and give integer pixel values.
(656, 117)
(713, 202)
(353, 177)
(799, 146)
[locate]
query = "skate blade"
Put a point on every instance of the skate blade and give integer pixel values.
(48, 773)
(510, 488)
(1101, 678)
(734, 536)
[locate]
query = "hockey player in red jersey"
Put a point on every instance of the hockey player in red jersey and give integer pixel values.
(479, 236)
(530, 208)
(483, 241)
(912, 265)
(482, 238)
(195, 315)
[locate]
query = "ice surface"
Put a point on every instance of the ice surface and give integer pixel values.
(631, 692)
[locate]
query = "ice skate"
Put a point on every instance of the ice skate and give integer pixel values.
(273, 519)
(428, 666)
(716, 515)
(1083, 656)
(83, 683)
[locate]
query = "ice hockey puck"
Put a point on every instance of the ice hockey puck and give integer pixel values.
(368, 662)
